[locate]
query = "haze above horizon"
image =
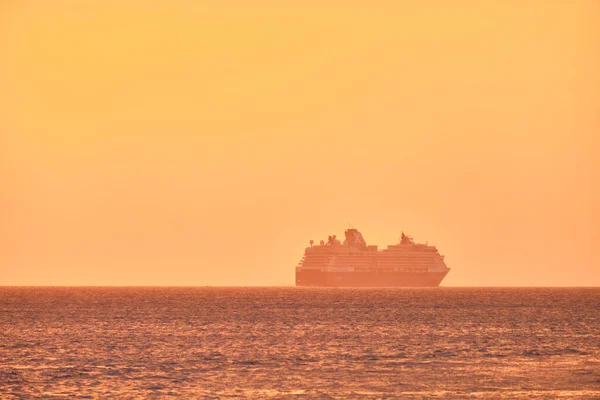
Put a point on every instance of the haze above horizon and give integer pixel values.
(204, 145)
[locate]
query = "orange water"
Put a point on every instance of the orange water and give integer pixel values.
(307, 343)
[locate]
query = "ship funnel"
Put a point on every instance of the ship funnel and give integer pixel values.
(354, 238)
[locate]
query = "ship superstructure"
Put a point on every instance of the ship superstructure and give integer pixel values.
(353, 263)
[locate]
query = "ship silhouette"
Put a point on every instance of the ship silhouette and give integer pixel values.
(353, 263)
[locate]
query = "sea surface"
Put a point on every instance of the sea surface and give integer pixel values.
(482, 343)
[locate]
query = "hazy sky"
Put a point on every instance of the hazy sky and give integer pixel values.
(146, 144)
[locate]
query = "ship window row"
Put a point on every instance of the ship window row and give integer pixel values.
(369, 262)
(383, 257)
(390, 269)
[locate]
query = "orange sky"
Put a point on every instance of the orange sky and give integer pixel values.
(146, 144)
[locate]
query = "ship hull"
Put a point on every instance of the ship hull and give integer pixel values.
(320, 278)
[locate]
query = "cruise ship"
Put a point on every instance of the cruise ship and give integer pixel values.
(353, 263)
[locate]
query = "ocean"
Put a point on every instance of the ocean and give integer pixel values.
(287, 342)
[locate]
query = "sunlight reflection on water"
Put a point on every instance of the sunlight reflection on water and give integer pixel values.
(281, 342)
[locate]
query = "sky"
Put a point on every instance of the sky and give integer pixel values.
(205, 143)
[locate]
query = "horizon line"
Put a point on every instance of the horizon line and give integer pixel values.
(290, 286)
